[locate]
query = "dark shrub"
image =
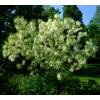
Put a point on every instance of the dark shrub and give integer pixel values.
(90, 88)
(28, 85)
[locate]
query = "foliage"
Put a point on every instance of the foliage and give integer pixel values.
(58, 44)
(30, 85)
(50, 11)
(73, 86)
(3, 81)
(47, 85)
(96, 19)
(73, 12)
(94, 25)
(90, 88)
(93, 31)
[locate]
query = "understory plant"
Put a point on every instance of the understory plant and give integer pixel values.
(59, 44)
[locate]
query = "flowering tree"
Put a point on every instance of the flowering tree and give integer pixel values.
(58, 44)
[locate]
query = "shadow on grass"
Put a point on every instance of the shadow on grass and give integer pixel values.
(93, 71)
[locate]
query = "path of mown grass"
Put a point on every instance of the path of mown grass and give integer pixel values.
(91, 72)
(86, 78)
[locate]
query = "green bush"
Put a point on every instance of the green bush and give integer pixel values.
(3, 80)
(30, 85)
(70, 86)
(76, 87)
(90, 88)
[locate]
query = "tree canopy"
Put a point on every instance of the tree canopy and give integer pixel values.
(57, 47)
(73, 12)
(96, 18)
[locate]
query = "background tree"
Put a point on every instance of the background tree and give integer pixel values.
(6, 18)
(96, 18)
(8, 13)
(94, 25)
(94, 32)
(73, 12)
(50, 11)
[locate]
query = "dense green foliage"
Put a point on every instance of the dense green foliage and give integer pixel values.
(49, 11)
(94, 32)
(96, 18)
(26, 84)
(46, 85)
(73, 12)
(94, 25)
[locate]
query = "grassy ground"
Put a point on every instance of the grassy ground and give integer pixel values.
(92, 72)
(86, 78)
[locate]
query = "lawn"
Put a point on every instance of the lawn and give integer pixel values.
(91, 72)
(86, 78)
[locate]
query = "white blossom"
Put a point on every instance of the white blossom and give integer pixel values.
(59, 76)
(55, 43)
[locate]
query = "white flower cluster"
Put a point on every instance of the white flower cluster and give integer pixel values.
(56, 44)
(20, 43)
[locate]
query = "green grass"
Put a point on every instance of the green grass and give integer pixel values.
(91, 72)
(86, 78)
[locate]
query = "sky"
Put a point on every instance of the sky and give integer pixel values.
(88, 12)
